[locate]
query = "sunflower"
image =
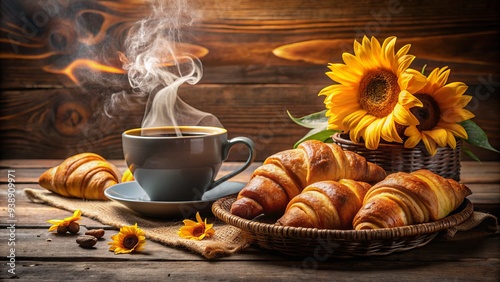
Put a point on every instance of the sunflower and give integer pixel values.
(64, 222)
(130, 238)
(443, 109)
(196, 230)
(374, 93)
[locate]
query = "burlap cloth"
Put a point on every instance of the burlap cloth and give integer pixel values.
(228, 239)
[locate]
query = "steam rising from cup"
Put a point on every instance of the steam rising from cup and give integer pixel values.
(157, 64)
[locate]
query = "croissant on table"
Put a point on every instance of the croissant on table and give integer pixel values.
(85, 175)
(285, 174)
(409, 198)
(326, 204)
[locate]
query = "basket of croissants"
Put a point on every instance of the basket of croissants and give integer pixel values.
(321, 200)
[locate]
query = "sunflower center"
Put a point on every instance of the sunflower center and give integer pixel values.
(429, 114)
(198, 230)
(130, 241)
(378, 92)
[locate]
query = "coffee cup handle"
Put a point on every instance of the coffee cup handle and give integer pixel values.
(225, 152)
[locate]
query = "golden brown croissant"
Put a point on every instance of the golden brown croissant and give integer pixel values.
(326, 204)
(84, 175)
(409, 198)
(285, 174)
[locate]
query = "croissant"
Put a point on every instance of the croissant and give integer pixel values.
(326, 204)
(85, 175)
(409, 198)
(285, 174)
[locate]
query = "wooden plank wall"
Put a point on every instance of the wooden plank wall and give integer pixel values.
(246, 83)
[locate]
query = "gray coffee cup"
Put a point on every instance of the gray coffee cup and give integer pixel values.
(180, 163)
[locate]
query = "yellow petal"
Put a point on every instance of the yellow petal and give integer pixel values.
(414, 137)
(389, 132)
(351, 120)
(438, 135)
(450, 94)
(198, 217)
(408, 100)
(341, 74)
(403, 63)
(451, 141)
(357, 130)
(413, 80)
(403, 50)
(55, 221)
(455, 129)
(353, 63)
(455, 115)
(430, 145)
(372, 134)
(404, 116)
(388, 52)
(77, 214)
(189, 222)
(464, 101)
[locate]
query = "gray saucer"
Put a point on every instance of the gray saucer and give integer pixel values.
(131, 195)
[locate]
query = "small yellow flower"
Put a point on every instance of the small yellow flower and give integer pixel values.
(64, 222)
(127, 176)
(196, 230)
(130, 238)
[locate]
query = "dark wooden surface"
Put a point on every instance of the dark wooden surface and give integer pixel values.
(42, 255)
(264, 57)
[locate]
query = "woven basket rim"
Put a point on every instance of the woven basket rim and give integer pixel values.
(221, 210)
(338, 137)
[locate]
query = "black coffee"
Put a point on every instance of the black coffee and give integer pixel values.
(184, 134)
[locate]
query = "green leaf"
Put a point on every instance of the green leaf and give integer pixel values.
(314, 120)
(321, 134)
(470, 154)
(476, 136)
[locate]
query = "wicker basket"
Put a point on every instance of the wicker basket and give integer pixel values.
(394, 157)
(329, 243)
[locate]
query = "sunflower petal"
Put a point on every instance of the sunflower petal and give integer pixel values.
(414, 137)
(341, 74)
(438, 135)
(404, 116)
(408, 100)
(372, 134)
(353, 63)
(451, 141)
(353, 119)
(455, 115)
(389, 131)
(455, 129)
(430, 145)
(416, 80)
(403, 50)
(198, 218)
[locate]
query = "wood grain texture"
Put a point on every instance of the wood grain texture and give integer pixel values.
(56, 123)
(42, 255)
(71, 121)
(260, 58)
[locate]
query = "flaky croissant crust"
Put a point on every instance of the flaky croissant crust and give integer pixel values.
(285, 174)
(326, 204)
(85, 175)
(409, 198)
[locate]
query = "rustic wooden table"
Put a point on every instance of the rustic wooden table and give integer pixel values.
(31, 252)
